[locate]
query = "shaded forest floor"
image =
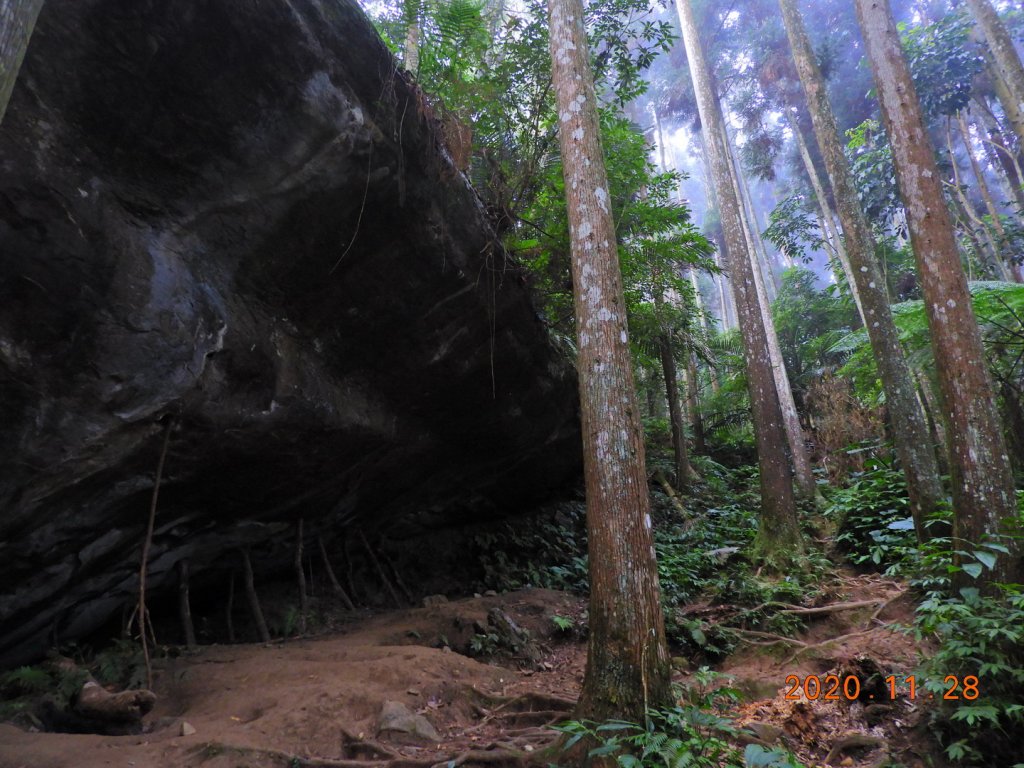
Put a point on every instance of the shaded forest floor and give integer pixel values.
(319, 700)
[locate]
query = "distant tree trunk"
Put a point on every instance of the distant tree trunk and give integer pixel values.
(300, 578)
(778, 532)
(993, 260)
(335, 584)
(986, 195)
(675, 412)
(802, 470)
(185, 606)
(411, 48)
(627, 656)
(693, 405)
(910, 432)
(17, 20)
(1005, 62)
(1000, 154)
(983, 489)
(254, 598)
(828, 222)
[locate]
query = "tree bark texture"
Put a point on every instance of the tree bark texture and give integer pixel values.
(627, 657)
(17, 20)
(778, 532)
(910, 431)
(983, 488)
(999, 51)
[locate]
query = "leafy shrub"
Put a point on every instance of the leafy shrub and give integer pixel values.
(980, 635)
(694, 734)
(25, 681)
(873, 518)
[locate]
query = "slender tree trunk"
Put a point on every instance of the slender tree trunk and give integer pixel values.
(17, 20)
(828, 221)
(300, 578)
(1004, 267)
(994, 261)
(778, 533)
(1005, 62)
(335, 584)
(627, 657)
(188, 628)
(411, 49)
(254, 598)
(983, 489)
(802, 470)
(1000, 153)
(229, 608)
(693, 405)
(910, 432)
(675, 412)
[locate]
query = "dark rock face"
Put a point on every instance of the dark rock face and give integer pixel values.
(238, 217)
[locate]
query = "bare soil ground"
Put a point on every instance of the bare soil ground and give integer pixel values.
(318, 700)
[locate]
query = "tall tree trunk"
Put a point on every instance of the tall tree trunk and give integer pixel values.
(1005, 269)
(910, 432)
(828, 221)
(778, 532)
(983, 489)
(693, 405)
(627, 656)
(1000, 154)
(802, 470)
(1005, 62)
(675, 412)
(994, 262)
(411, 48)
(17, 20)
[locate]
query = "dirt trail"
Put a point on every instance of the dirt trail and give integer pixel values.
(320, 699)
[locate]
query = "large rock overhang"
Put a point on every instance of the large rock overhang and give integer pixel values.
(238, 219)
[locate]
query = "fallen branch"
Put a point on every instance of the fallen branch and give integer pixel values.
(670, 492)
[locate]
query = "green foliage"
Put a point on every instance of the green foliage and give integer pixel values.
(547, 551)
(943, 63)
(873, 171)
(873, 519)
(999, 309)
(25, 681)
(121, 664)
(980, 635)
(694, 734)
(793, 230)
(808, 321)
(563, 624)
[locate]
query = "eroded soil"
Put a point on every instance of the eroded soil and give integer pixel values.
(318, 700)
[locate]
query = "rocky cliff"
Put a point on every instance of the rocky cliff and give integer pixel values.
(237, 221)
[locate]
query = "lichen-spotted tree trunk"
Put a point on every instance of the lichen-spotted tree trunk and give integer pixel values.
(778, 535)
(803, 473)
(627, 657)
(1005, 64)
(910, 430)
(983, 489)
(17, 20)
